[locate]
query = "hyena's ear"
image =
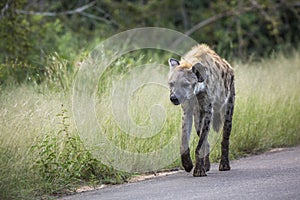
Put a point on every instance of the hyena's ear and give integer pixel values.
(200, 70)
(173, 63)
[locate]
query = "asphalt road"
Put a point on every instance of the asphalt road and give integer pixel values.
(273, 175)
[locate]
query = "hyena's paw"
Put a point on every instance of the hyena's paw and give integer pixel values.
(207, 166)
(186, 161)
(199, 171)
(224, 166)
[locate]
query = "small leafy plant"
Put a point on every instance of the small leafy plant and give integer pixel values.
(61, 158)
(63, 162)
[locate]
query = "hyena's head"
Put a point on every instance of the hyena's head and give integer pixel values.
(185, 83)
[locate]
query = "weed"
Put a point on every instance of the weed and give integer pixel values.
(59, 74)
(63, 162)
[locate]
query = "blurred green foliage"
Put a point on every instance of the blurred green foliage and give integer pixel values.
(30, 31)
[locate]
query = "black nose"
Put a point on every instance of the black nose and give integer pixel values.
(174, 100)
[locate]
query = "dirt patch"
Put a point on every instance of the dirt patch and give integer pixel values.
(153, 175)
(133, 179)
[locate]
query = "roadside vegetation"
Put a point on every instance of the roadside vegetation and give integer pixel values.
(42, 153)
(44, 43)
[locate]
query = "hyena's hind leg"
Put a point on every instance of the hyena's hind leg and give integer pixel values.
(224, 164)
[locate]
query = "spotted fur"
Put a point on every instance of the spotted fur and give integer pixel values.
(203, 83)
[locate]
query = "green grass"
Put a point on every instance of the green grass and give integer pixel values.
(41, 152)
(267, 112)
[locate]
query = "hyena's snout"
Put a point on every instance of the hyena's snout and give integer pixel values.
(174, 99)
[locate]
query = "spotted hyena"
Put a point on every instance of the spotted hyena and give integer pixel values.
(203, 83)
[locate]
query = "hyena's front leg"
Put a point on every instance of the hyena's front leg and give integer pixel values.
(198, 121)
(202, 154)
(184, 148)
(206, 157)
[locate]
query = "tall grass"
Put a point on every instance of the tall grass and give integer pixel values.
(25, 114)
(267, 112)
(34, 128)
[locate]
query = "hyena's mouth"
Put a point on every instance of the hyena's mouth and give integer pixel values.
(176, 103)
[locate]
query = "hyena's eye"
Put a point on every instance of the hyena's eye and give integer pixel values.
(171, 84)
